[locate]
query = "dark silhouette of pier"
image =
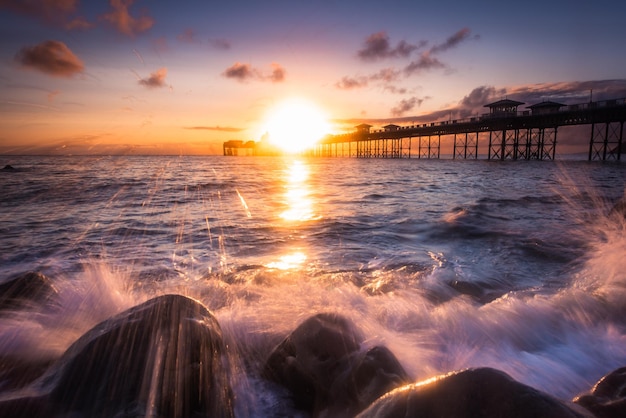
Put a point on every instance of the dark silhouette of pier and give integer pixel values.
(509, 133)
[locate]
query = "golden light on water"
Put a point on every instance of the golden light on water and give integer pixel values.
(298, 194)
(288, 261)
(298, 207)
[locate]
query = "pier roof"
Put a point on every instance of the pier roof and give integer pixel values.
(546, 104)
(504, 103)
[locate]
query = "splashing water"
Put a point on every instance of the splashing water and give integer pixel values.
(450, 264)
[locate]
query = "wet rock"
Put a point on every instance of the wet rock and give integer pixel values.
(472, 393)
(16, 373)
(327, 373)
(8, 167)
(607, 399)
(28, 288)
(164, 357)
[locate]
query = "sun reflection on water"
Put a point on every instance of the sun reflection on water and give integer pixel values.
(288, 261)
(298, 195)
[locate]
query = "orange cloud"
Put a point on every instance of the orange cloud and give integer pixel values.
(278, 73)
(156, 79)
(122, 20)
(51, 57)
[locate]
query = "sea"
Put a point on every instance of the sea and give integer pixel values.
(516, 265)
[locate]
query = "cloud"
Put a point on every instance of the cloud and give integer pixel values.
(278, 73)
(395, 90)
(386, 75)
(241, 72)
(214, 128)
(52, 95)
(377, 46)
(52, 12)
(406, 105)
(188, 36)
(220, 43)
(349, 83)
(51, 57)
(452, 41)
(121, 19)
(245, 72)
(425, 62)
(156, 79)
(78, 23)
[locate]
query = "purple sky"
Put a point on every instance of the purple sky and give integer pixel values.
(124, 76)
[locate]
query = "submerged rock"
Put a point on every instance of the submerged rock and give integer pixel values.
(28, 288)
(472, 393)
(164, 357)
(607, 399)
(322, 365)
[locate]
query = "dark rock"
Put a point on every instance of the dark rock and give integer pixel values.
(367, 376)
(321, 364)
(16, 373)
(164, 357)
(608, 397)
(472, 393)
(8, 167)
(28, 288)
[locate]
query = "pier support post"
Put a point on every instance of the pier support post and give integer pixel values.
(465, 145)
(606, 141)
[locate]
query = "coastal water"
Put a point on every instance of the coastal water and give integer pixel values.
(450, 264)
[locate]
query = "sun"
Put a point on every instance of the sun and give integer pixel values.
(295, 125)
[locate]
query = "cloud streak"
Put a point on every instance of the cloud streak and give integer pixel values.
(121, 19)
(52, 58)
(453, 41)
(214, 128)
(245, 73)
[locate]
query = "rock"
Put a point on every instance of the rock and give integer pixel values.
(322, 365)
(608, 397)
(28, 288)
(8, 167)
(164, 357)
(368, 376)
(472, 393)
(16, 373)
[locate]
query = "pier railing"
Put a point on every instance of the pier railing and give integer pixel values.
(528, 134)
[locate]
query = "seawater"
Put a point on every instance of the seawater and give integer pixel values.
(450, 264)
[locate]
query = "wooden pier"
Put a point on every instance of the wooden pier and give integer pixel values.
(509, 133)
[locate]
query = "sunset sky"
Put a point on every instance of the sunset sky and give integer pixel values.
(165, 77)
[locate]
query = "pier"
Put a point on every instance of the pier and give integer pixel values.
(509, 134)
